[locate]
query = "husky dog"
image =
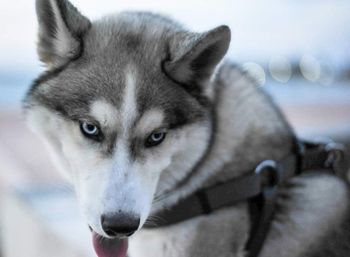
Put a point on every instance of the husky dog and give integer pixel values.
(140, 112)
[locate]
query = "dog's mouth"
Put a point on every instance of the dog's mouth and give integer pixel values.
(105, 247)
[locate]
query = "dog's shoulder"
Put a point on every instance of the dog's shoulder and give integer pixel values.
(312, 219)
(336, 243)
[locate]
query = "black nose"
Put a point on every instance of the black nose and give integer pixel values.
(119, 224)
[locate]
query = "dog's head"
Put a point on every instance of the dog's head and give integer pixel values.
(125, 100)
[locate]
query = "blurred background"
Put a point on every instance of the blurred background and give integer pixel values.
(298, 50)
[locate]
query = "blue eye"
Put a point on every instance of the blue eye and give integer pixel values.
(89, 130)
(155, 139)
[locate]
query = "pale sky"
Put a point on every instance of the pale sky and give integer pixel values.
(261, 28)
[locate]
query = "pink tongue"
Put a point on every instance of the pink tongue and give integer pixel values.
(109, 247)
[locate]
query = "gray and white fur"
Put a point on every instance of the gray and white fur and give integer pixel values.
(135, 73)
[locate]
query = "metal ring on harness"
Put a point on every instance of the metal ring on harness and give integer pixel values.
(269, 173)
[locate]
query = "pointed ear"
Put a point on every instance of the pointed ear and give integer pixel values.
(61, 28)
(195, 56)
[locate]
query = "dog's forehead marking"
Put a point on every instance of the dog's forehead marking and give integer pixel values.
(128, 114)
(129, 106)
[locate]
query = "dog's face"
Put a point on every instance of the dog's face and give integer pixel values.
(115, 150)
(125, 100)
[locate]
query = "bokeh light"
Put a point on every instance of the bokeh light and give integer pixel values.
(310, 68)
(280, 69)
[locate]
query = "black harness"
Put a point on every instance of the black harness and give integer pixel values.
(259, 188)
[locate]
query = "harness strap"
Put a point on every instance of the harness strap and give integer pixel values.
(210, 199)
(260, 188)
(262, 210)
(228, 193)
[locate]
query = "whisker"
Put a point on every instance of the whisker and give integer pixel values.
(153, 220)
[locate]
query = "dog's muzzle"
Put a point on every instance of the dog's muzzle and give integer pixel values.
(119, 224)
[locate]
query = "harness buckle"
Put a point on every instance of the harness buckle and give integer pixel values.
(269, 173)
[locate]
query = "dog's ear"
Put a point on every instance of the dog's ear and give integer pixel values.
(61, 28)
(193, 56)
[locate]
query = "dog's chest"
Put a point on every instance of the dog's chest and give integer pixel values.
(206, 236)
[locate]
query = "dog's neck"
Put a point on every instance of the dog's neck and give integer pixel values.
(249, 129)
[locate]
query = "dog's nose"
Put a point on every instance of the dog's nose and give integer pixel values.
(119, 224)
